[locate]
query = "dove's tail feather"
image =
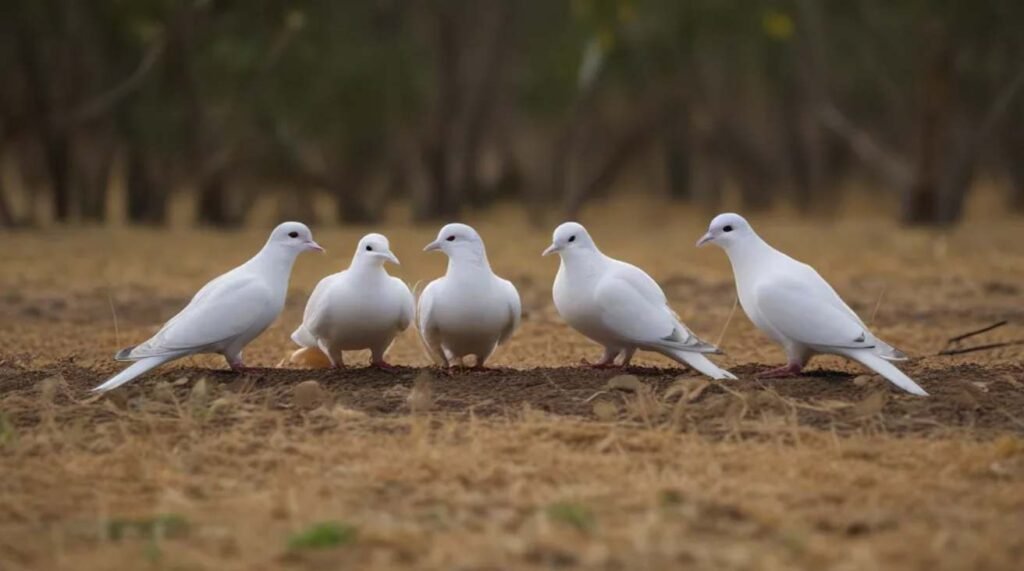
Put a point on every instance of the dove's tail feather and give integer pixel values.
(137, 368)
(882, 366)
(701, 363)
(303, 337)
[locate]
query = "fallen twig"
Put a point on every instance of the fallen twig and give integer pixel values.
(970, 334)
(980, 348)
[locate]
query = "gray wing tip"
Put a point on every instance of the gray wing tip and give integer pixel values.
(705, 347)
(125, 354)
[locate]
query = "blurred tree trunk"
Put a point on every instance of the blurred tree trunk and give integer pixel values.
(677, 137)
(485, 74)
(350, 192)
(811, 158)
(1012, 143)
(147, 193)
(207, 156)
(53, 139)
(95, 156)
(748, 164)
(440, 201)
(6, 214)
(921, 200)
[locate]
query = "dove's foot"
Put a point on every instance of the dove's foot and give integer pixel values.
(790, 370)
(599, 364)
(239, 367)
(384, 366)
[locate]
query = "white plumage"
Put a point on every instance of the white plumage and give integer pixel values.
(470, 310)
(359, 308)
(619, 306)
(796, 307)
(227, 313)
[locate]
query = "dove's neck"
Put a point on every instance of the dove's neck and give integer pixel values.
(468, 264)
(584, 262)
(274, 263)
(747, 255)
(365, 266)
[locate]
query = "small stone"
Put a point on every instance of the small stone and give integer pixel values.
(625, 383)
(605, 410)
(863, 380)
(308, 394)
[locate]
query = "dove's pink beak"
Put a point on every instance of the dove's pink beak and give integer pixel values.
(314, 247)
(705, 239)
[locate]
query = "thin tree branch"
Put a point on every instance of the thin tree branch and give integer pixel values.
(103, 103)
(895, 170)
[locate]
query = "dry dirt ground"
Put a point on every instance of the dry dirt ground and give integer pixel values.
(541, 463)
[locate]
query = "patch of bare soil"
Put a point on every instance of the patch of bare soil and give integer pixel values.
(983, 400)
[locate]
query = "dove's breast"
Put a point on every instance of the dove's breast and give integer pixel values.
(574, 300)
(470, 319)
(357, 314)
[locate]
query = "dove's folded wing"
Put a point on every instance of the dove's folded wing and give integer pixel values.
(515, 311)
(641, 282)
(804, 315)
(626, 310)
(424, 323)
(408, 307)
(316, 307)
(226, 309)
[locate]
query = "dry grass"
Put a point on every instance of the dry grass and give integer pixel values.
(212, 473)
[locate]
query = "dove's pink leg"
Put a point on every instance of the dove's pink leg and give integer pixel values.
(236, 364)
(479, 364)
(790, 370)
(377, 360)
(607, 360)
(383, 365)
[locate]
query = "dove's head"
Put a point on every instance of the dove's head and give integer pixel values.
(457, 241)
(569, 237)
(293, 236)
(726, 230)
(374, 249)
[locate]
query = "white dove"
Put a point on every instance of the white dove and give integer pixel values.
(620, 306)
(227, 313)
(796, 307)
(359, 308)
(470, 310)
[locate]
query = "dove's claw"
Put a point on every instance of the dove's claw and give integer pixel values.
(790, 370)
(384, 366)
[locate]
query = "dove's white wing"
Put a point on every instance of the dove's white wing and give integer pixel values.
(802, 314)
(639, 317)
(817, 286)
(515, 310)
(424, 322)
(222, 310)
(317, 306)
(314, 308)
(641, 282)
(408, 309)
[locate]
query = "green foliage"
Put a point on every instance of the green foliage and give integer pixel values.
(158, 526)
(575, 515)
(8, 435)
(323, 535)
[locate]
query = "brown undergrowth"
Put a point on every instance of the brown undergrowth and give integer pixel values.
(542, 463)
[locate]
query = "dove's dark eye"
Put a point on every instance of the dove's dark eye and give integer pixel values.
(450, 238)
(572, 238)
(369, 248)
(293, 234)
(727, 229)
